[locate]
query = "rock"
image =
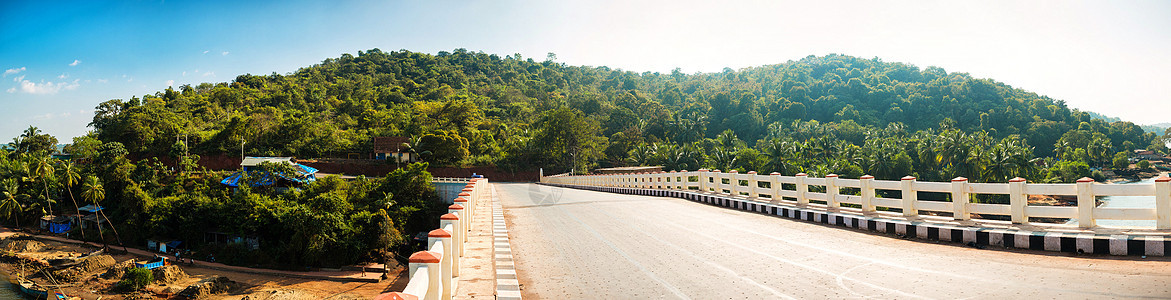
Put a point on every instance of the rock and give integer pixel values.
(169, 274)
(207, 287)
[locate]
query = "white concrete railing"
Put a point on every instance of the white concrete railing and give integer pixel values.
(450, 179)
(1017, 189)
(434, 272)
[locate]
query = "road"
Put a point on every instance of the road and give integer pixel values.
(576, 244)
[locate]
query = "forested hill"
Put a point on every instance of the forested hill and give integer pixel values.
(818, 114)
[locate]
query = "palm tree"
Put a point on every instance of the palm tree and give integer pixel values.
(92, 191)
(43, 168)
(9, 205)
(70, 177)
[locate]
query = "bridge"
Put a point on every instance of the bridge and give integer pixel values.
(715, 235)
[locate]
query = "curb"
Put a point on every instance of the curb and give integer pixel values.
(507, 284)
(1081, 243)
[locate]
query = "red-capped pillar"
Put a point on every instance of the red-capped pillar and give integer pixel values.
(447, 262)
(427, 263)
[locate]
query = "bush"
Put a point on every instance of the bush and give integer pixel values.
(1144, 164)
(135, 279)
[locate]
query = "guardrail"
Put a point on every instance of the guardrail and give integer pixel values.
(434, 273)
(829, 195)
(450, 179)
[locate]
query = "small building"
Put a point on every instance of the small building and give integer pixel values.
(89, 216)
(301, 173)
(57, 224)
(1143, 154)
(393, 147)
(624, 170)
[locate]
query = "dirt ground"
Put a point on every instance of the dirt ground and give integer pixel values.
(249, 286)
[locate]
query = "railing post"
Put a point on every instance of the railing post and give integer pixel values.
(466, 220)
(1086, 203)
(867, 183)
(1017, 200)
(831, 192)
(457, 225)
(909, 197)
(960, 199)
(428, 261)
(444, 237)
(733, 183)
(752, 185)
(802, 188)
(775, 184)
(1163, 202)
(459, 235)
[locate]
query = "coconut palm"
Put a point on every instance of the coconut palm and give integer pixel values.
(70, 178)
(43, 168)
(92, 191)
(9, 204)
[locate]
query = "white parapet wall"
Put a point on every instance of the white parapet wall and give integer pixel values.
(434, 272)
(859, 206)
(829, 196)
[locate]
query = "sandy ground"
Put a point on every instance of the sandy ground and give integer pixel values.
(254, 285)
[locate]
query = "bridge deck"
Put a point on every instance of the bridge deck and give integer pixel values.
(577, 244)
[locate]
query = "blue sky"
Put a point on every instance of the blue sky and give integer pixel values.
(61, 58)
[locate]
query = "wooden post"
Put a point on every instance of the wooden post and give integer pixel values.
(1017, 200)
(802, 188)
(960, 199)
(867, 183)
(909, 197)
(1086, 203)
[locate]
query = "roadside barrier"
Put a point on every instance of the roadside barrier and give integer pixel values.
(434, 273)
(828, 194)
(902, 217)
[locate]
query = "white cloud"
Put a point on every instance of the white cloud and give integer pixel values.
(45, 88)
(18, 78)
(170, 83)
(103, 80)
(209, 73)
(206, 51)
(75, 63)
(13, 71)
(225, 53)
(184, 73)
(62, 76)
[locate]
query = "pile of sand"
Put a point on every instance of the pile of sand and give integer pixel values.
(280, 295)
(22, 246)
(169, 274)
(86, 267)
(119, 269)
(207, 287)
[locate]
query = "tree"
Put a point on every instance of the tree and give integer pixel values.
(1120, 161)
(43, 168)
(70, 177)
(95, 193)
(9, 204)
(567, 139)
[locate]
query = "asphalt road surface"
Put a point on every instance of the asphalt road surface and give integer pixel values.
(575, 244)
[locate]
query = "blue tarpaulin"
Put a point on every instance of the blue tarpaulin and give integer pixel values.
(60, 227)
(263, 178)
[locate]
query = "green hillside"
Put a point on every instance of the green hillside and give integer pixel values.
(817, 115)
